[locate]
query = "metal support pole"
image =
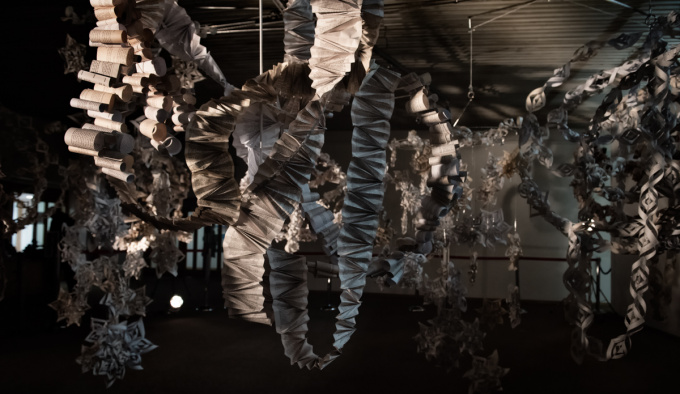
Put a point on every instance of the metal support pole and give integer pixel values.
(517, 279)
(598, 261)
(261, 71)
(329, 306)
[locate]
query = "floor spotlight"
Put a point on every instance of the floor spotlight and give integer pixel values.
(176, 302)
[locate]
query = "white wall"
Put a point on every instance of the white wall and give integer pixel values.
(539, 280)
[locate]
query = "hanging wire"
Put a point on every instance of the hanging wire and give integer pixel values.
(471, 91)
(261, 71)
(512, 8)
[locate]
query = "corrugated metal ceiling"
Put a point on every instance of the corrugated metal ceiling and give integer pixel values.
(512, 54)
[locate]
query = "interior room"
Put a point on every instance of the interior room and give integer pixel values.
(300, 196)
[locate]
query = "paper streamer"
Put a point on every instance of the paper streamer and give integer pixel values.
(288, 286)
(176, 32)
(207, 143)
(371, 111)
(260, 220)
(299, 31)
(338, 31)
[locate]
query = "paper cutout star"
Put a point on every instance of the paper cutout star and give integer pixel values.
(74, 55)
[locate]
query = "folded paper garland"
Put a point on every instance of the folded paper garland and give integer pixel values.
(621, 117)
(298, 38)
(371, 111)
(338, 32)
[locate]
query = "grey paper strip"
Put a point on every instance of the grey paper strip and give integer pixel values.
(371, 111)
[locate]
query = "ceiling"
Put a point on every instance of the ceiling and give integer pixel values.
(516, 45)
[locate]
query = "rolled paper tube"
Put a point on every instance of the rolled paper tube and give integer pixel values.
(122, 56)
(94, 44)
(99, 97)
(158, 114)
(90, 126)
(418, 103)
(440, 159)
(444, 150)
(105, 3)
(94, 78)
(157, 145)
(125, 143)
(153, 130)
(136, 81)
(140, 89)
(159, 101)
(123, 176)
(156, 66)
(153, 78)
(442, 128)
(111, 27)
(123, 92)
(145, 53)
(108, 22)
(135, 41)
(182, 118)
(173, 83)
(182, 108)
(108, 69)
(445, 180)
(324, 269)
(82, 151)
(178, 129)
(88, 105)
(173, 145)
(432, 118)
(117, 156)
(147, 37)
(189, 98)
(113, 115)
(113, 154)
(108, 36)
(86, 139)
(129, 161)
(111, 124)
(113, 164)
(104, 13)
(124, 107)
(135, 29)
(136, 44)
(127, 70)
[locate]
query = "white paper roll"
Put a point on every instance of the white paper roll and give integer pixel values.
(85, 139)
(173, 145)
(123, 176)
(90, 126)
(111, 124)
(153, 130)
(106, 162)
(94, 78)
(82, 151)
(160, 101)
(113, 115)
(123, 92)
(158, 114)
(156, 66)
(88, 105)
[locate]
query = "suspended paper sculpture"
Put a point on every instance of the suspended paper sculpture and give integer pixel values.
(639, 103)
(277, 121)
(73, 55)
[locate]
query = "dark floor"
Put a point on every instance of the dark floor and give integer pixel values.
(205, 352)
